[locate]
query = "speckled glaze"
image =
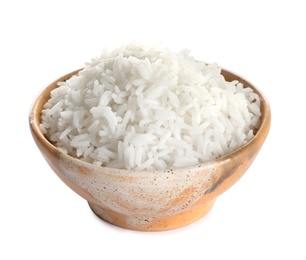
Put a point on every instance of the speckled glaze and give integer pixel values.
(150, 200)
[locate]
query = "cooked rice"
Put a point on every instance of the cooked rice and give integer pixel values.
(149, 108)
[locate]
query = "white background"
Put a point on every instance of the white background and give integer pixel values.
(261, 217)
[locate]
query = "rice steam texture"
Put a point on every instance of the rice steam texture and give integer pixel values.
(149, 108)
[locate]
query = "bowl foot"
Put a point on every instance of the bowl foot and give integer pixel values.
(142, 224)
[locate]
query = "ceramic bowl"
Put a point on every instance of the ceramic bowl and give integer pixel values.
(150, 200)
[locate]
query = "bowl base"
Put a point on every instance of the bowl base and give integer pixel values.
(166, 223)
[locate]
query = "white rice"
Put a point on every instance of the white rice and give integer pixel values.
(149, 108)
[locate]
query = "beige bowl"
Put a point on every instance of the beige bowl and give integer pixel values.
(150, 200)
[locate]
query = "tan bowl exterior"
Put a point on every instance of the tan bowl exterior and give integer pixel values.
(150, 200)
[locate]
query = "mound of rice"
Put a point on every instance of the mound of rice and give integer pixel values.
(149, 108)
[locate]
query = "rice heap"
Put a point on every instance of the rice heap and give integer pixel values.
(149, 108)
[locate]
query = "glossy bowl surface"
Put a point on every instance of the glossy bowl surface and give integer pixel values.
(150, 200)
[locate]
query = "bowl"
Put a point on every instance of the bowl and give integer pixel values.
(150, 200)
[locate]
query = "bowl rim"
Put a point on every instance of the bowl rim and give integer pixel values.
(44, 95)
